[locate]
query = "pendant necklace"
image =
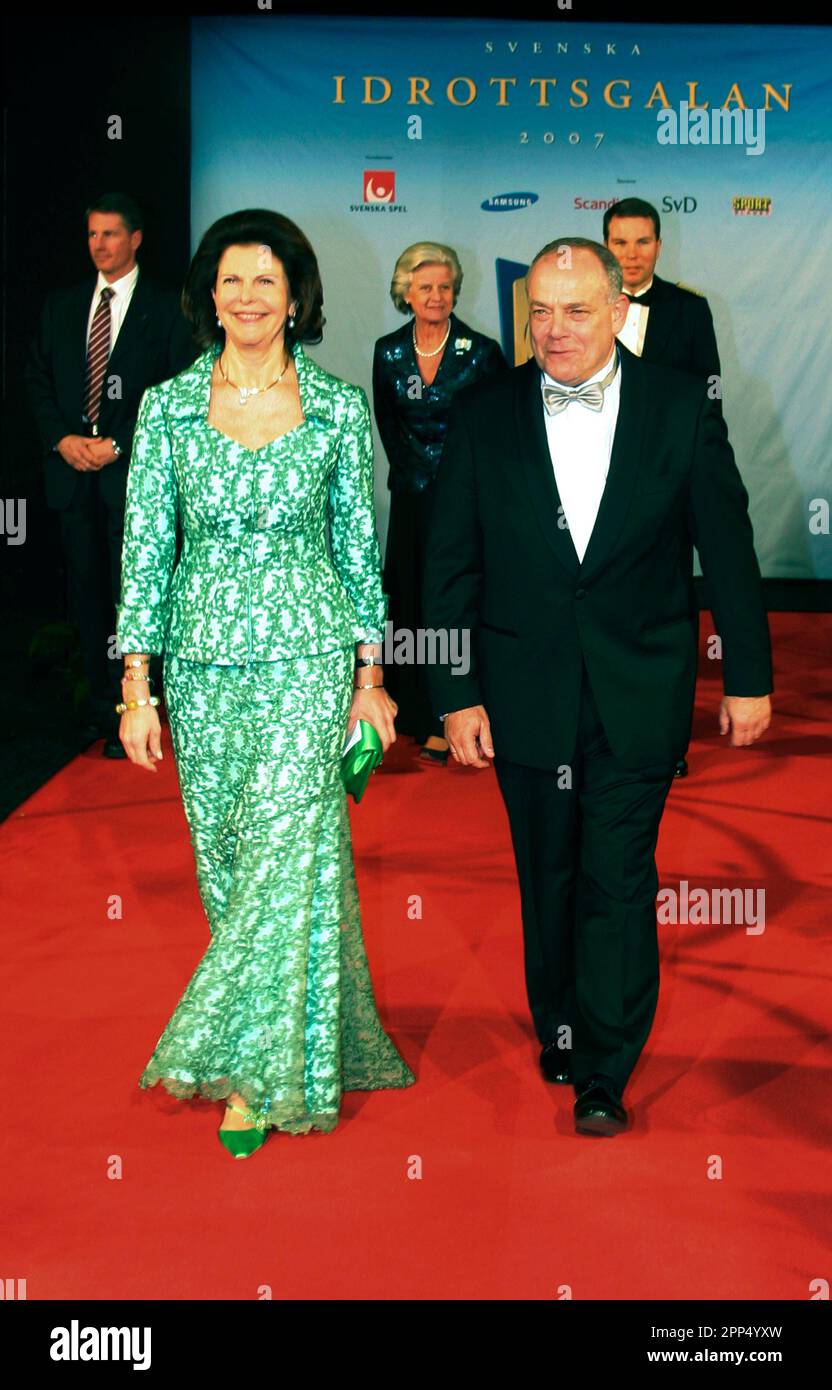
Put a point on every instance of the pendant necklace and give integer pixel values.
(246, 391)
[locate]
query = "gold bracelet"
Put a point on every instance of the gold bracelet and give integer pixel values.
(126, 705)
(380, 686)
(137, 676)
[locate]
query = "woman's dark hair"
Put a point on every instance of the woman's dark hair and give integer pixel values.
(287, 243)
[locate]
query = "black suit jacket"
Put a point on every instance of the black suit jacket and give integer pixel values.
(680, 330)
(499, 563)
(153, 344)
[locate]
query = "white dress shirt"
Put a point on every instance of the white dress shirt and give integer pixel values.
(580, 447)
(119, 304)
(635, 325)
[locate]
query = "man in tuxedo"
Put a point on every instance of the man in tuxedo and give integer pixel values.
(665, 323)
(98, 346)
(571, 491)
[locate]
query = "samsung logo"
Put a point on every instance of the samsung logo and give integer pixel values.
(508, 202)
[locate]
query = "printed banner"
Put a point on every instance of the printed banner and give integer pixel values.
(496, 138)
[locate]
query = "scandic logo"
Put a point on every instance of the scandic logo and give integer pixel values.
(379, 186)
(509, 202)
(594, 204)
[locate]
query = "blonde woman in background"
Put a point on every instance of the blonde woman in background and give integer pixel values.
(416, 372)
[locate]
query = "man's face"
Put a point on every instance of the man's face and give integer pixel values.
(571, 322)
(632, 241)
(112, 248)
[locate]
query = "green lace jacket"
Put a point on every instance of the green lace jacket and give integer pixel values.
(255, 580)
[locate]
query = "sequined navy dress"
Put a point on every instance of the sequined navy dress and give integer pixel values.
(412, 419)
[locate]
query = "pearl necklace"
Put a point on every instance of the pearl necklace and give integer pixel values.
(436, 351)
(246, 391)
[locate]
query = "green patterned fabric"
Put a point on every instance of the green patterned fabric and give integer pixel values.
(254, 581)
(258, 629)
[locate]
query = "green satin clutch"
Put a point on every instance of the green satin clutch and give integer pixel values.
(362, 752)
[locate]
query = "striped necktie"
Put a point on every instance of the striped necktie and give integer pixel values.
(97, 355)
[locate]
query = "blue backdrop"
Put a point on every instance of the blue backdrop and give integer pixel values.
(498, 137)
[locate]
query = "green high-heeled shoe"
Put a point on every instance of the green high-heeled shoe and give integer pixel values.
(243, 1142)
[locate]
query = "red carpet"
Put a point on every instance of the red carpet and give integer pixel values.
(511, 1204)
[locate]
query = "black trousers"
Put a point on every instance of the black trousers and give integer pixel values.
(91, 534)
(407, 531)
(588, 883)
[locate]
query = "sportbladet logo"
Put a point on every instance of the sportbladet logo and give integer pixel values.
(509, 202)
(751, 207)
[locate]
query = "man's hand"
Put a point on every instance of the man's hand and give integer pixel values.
(469, 736)
(74, 449)
(746, 717)
(101, 451)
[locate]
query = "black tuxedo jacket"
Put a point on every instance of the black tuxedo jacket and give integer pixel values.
(153, 344)
(680, 330)
(499, 563)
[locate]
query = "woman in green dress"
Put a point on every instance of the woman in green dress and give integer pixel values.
(260, 455)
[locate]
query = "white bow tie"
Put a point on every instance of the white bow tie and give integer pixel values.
(557, 398)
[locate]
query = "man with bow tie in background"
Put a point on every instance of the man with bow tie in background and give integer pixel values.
(665, 322)
(570, 495)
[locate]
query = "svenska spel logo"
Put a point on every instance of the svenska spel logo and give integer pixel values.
(379, 185)
(378, 194)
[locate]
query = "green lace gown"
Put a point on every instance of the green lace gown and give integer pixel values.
(258, 622)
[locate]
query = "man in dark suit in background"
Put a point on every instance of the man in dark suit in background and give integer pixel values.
(571, 492)
(665, 322)
(98, 347)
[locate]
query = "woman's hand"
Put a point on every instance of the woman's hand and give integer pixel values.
(376, 707)
(141, 734)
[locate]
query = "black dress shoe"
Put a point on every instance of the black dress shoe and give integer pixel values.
(681, 768)
(434, 755)
(598, 1109)
(555, 1064)
(113, 747)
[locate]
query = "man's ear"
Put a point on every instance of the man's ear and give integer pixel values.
(135, 241)
(620, 309)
